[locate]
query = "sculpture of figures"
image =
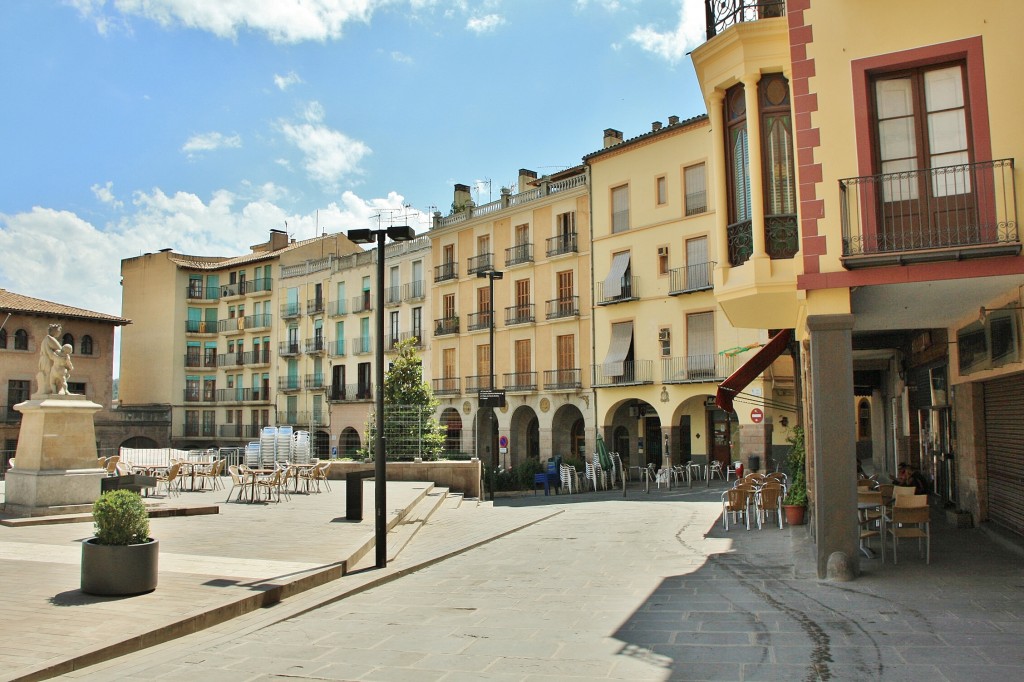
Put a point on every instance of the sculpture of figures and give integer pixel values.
(60, 371)
(50, 352)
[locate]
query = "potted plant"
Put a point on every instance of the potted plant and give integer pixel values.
(795, 503)
(121, 559)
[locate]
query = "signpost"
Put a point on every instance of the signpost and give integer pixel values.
(757, 415)
(491, 398)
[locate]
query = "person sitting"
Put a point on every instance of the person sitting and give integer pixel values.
(908, 476)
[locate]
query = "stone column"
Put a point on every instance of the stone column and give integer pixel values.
(756, 174)
(835, 440)
(55, 464)
(718, 180)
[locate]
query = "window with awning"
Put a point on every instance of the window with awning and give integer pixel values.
(613, 282)
(618, 349)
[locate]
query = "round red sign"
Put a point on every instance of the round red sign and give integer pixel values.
(756, 415)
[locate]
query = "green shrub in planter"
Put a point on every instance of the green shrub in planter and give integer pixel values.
(121, 518)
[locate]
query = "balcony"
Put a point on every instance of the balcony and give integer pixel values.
(446, 325)
(478, 382)
(479, 263)
(302, 419)
(231, 359)
(230, 290)
(289, 349)
(194, 395)
(338, 308)
(206, 360)
(935, 214)
(192, 430)
(345, 393)
(696, 369)
(258, 321)
(362, 303)
(446, 271)
(627, 373)
(691, 279)
(263, 285)
(289, 382)
(478, 321)
(520, 382)
(361, 345)
(446, 386)
(520, 253)
(291, 310)
(231, 325)
(336, 349)
(414, 291)
(566, 306)
(392, 295)
(315, 306)
(628, 290)
(563, 379)
(315, 382)
(197, 292)
(561, 244)
(258, 356)
(200, 327)
(230, 431)
(721, 14)
(519, 314)
(780, 238)
(243, 395)
(316, 345)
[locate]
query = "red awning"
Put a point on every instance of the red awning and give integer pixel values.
(751, 369)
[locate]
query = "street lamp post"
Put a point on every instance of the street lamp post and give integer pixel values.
(398, 233)
(491, 275)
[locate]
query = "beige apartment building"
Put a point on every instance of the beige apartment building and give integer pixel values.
(531, 250)
(327, 337)
(25, 323)
(207, 335)
(662, 343)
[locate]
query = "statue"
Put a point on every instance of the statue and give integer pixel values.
(52, 354)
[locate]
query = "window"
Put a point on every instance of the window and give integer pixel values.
(483, 244)
(566, 350)
(620, 208)
(393, 323)
(448, 306)
(448, 363)
(522, 298)
(523, 361)
(86, 345)
(3, 338)
(777, 146)
(210, 420)
(483, 305)
(864, 420)
(76, 387)
(483, 364)
(17, 392)
(661, 190)
(665, 341)
(700, 345)
(364, 386)
(738, 157)
(696, 189)
(662, 260)
(565, 288)
(68, 340)
(448, 254)
(417, 324)
(522, 235)
(21, 340)
(698, 269)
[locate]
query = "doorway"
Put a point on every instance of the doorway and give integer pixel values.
(720, 428)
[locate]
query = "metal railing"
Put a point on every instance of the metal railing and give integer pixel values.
(563, 379)
(336, 348)
(349, 392)
(629, 290)
(696, 368)
(200, 327)
(315, 381)
(479, 263)
(521, 253)
(200, 395)
(625, 373)
(361, 345)
(446, 271)
(559, 244)
(721, 14)
(952, 207)
(414, 291)
(519, 314)
(478, 382)
(288, 349)
(257, 286)
(199, 360)
(315, 305)
(201, 293)
(520, 381)
(290, 310)
(362, 303)
(392, 295)
(780, 237)
(289, 382)
(243, 395)
(253, 357)
(446, 325)
(316, 345)
(477, 321)
(446, 386)
(686, 280)
(566, 306)
(338, 308)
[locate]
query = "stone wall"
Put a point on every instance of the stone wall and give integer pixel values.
(460, 477)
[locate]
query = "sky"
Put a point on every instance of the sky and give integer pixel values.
(129, 126)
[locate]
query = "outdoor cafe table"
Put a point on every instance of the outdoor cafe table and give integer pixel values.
(192, 465)
(254, 475)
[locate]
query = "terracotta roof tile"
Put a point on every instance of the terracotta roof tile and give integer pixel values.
(11, 302)
(206, 263)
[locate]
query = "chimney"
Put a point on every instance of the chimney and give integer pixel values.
(526, 178)
(462, 196)
(672, 120)
(656, 126)
(278, 239)
(612, 137)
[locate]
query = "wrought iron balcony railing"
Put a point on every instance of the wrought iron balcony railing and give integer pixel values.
(289, 349)
(521, 253)
(446, 325)
(414, 291)
(315, 306)
(566, 306)
(479, 263)
(721, 14)
(392, 295)
(479, 382)
(361, 345)
(446, 271)
(780, 238)
(243, 395)
(563, 243)
(628, 290)
(206, 360)
(337, 348)
(289, 382)
(519, 314)
(362, 303)
(692, 278)
(338, 308)
(446, 386)
(315, 382)
(477, 321)
(625, 373)
(341, 393)
(563, 379)
(696, 368)
(520, 382)
(290, 310)
(316, 345)
(951, 212)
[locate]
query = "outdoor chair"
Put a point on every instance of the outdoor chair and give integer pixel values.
(169, 480)
(111, 465)
(768, 500)
(909, 518)
(570, 478)
(869, 518)
(733, 470)
(238, 480)
(594, 474)
(735, 503)
(270, 484)
(715, 469)
(321, 472)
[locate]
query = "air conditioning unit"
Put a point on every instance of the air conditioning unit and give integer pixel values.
(662, 250)
(664, 334)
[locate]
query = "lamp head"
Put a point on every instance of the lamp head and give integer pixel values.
(401, 233)
(361, 236)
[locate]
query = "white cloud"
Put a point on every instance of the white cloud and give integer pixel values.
(485, 23)
(208, 142)
(286, 81)
(329, 155)
(673, 45)
(105, 193)
(65, 258)
(401, 57)
(283, 21)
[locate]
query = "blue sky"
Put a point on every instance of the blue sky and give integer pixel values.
(134, 125)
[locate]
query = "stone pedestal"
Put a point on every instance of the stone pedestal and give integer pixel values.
(55, 468)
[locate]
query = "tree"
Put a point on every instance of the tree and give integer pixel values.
(410, 429)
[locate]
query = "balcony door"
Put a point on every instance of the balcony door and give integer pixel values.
(923, 150)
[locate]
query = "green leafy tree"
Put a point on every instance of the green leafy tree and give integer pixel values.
(410, 429)
(797, 494)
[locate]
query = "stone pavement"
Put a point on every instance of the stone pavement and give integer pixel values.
(643, 588)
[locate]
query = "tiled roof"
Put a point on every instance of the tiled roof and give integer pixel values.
(207, 263)
(11, 302)
(700, 118)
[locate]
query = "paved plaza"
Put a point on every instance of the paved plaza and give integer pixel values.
(589, 586)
